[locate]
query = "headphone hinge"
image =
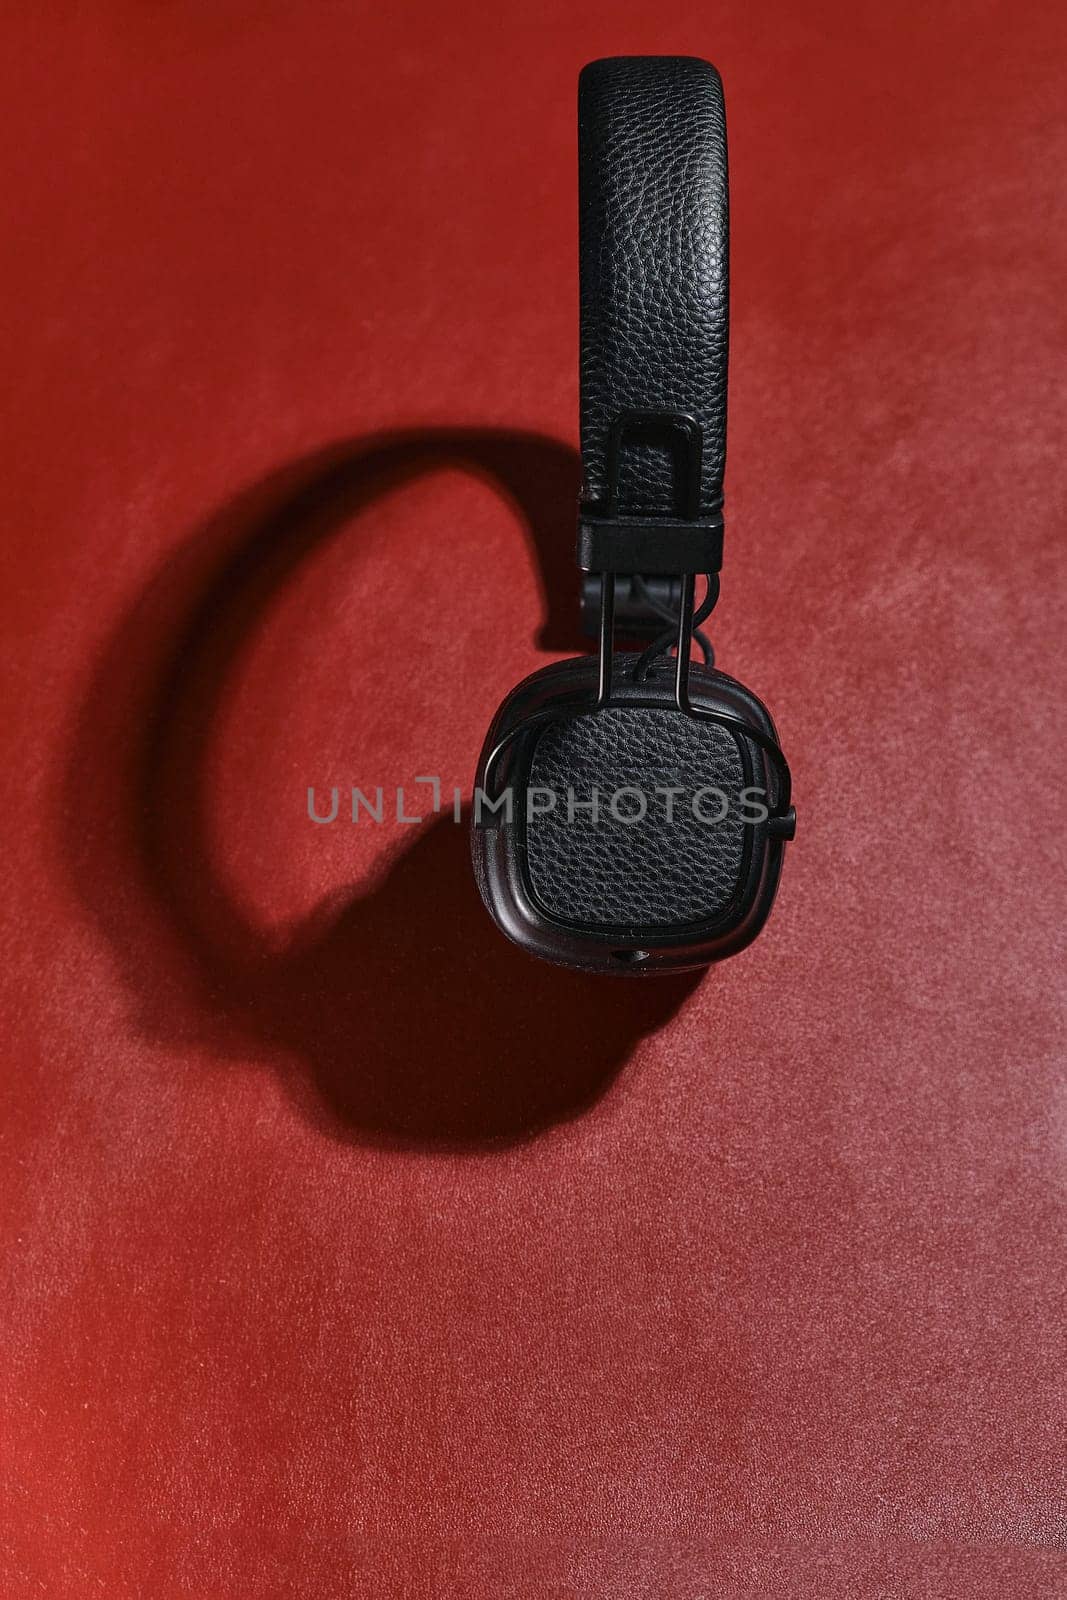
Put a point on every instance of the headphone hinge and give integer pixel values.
(642, 544)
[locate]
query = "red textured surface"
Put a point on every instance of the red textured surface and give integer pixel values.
(346, 1252)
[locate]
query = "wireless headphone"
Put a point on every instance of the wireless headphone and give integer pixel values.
(630, 811)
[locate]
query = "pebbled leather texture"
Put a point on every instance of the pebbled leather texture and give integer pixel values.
(654, 235)
(652, 872)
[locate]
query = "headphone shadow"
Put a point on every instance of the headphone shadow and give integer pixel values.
(385, 1030)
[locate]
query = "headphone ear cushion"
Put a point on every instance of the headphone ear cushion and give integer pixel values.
(632, 830)
(617, 833)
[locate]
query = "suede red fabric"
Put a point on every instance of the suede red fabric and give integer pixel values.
(347, 1252)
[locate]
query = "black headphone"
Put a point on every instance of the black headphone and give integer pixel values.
(630, 812)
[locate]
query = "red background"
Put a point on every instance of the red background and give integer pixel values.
(346, 1251)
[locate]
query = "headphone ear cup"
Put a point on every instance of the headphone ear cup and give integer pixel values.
(629, 837)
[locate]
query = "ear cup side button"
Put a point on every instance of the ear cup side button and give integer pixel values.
(783, 826)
